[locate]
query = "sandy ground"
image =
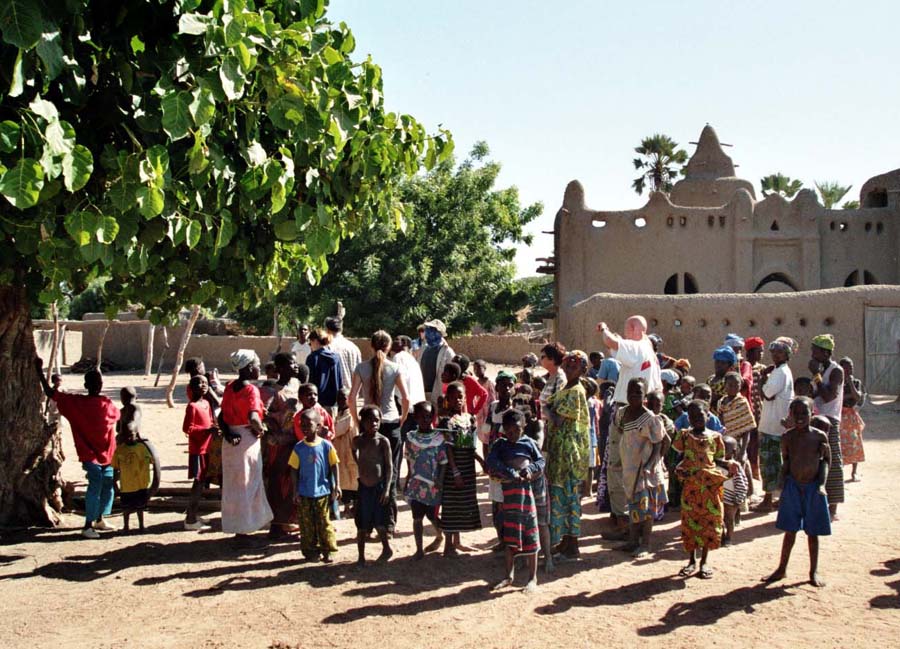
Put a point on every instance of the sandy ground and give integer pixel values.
(171, 588)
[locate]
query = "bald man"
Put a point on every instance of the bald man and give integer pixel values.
(635, 352)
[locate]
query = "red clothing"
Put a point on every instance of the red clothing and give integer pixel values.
(237, 406)
(198, 419)
(476, 396)
(747, 383)
(327, 424)
(93, 419)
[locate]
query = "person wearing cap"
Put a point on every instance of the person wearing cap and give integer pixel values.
(828, 393)
(724, 361)
(346, 350)
(754, 347)
(435, 356)
(776, 384)
(634, 351)
(245, 508)
(742, 367)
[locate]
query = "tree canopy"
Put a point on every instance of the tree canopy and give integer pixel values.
(193, 151)
(831, 192)
(780, 184)
(454, 261)
(659, 155)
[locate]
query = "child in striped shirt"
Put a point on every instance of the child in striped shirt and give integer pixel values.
(735, 490)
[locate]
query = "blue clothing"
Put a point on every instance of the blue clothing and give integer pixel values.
(98, 499)
(609, 370)
(325, 373)
(313, 463)
(802, 507)
(712, 422)
(503, 451)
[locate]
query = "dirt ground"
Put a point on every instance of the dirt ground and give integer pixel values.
(171, 588)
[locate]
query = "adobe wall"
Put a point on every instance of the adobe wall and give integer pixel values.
(126, 343)
(693, 325)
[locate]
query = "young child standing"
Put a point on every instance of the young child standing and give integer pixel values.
(479, 367)
(803, 506)
(517, 460)
(200, 427)
(316, 483)
(426, 460)
(655, 400)
(372, 452)
(490, 433)
(345, 431)
(130, 415)
(459, 505)
(734, 490)
(133, 460)
(308, 396)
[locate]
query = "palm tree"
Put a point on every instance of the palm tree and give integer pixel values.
(831, 192)
(850, 205)
(780, 184)
(659, 155)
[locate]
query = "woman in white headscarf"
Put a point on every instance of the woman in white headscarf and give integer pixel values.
(245, 508)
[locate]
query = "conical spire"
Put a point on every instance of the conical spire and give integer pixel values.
(709, 160)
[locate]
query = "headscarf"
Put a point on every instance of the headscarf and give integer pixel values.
(242, 358)
(670, 377)
(726, 354)
(783, 343)
(734, 341)
(754, 342)
(824, 341)
(504, 374)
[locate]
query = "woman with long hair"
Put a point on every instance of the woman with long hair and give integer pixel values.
(379, 380)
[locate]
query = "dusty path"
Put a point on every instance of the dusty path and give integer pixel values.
(170, 588)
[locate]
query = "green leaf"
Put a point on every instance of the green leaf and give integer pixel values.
(286, 112)
(106, 229)
(60, 137)
(51, 54)
(197, 160)
(137, 45)
(205, 292)
(176, 119)
(78, 165)
(232, 78)
(21, 22)
(244, 56)
(202, 106)
(192, 234)
(151, 201)
(226, 231)
(331, 55)
(81, 226)
(22, 184)
(234, 31)
(44, 108)
(194, 24)
(9, 136)
(17, 85)
(286, 230)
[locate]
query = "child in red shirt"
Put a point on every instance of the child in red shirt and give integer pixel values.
(308, 396)
(199, 426)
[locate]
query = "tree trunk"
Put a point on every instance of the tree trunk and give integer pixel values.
(148, 357)
(54, 350)
(179, 357)
(100, 346)
(30, 450)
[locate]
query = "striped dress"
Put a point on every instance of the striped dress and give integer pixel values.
(459, 506)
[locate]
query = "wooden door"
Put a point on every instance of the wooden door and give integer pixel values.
(882, 350)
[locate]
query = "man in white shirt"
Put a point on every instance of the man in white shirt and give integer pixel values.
(346, 350)
(777, 389)
(409, 369)
(635, 353)
(300, 348)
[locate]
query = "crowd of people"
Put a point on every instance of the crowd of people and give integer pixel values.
(325, 434)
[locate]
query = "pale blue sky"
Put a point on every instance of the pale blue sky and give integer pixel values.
(566, 90)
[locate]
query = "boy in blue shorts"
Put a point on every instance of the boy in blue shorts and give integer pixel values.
(802, 506)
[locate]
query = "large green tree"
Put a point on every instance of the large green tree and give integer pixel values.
(660, 162)
(831, 192)
(193, 152)
(453, 261)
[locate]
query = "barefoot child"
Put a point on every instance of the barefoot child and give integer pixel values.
(200, 427)
(802, 505)
(517, 460)
(490, 433)
(735, 490)
(852, 425)
(459, 503)
(426, 461)
(316, 483)
(345, 431)
(372, 452)
(133, 460)
(736, 414)
(702, 509)
(130, 415)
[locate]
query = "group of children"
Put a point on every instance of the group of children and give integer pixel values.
(688, 447)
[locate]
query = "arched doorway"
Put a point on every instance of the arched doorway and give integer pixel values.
(854, 277)
(775, 283)
(681, 283)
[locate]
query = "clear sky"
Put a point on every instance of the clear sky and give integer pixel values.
(566, 90)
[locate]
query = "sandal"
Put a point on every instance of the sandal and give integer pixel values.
(688, 570)
(706, 573)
